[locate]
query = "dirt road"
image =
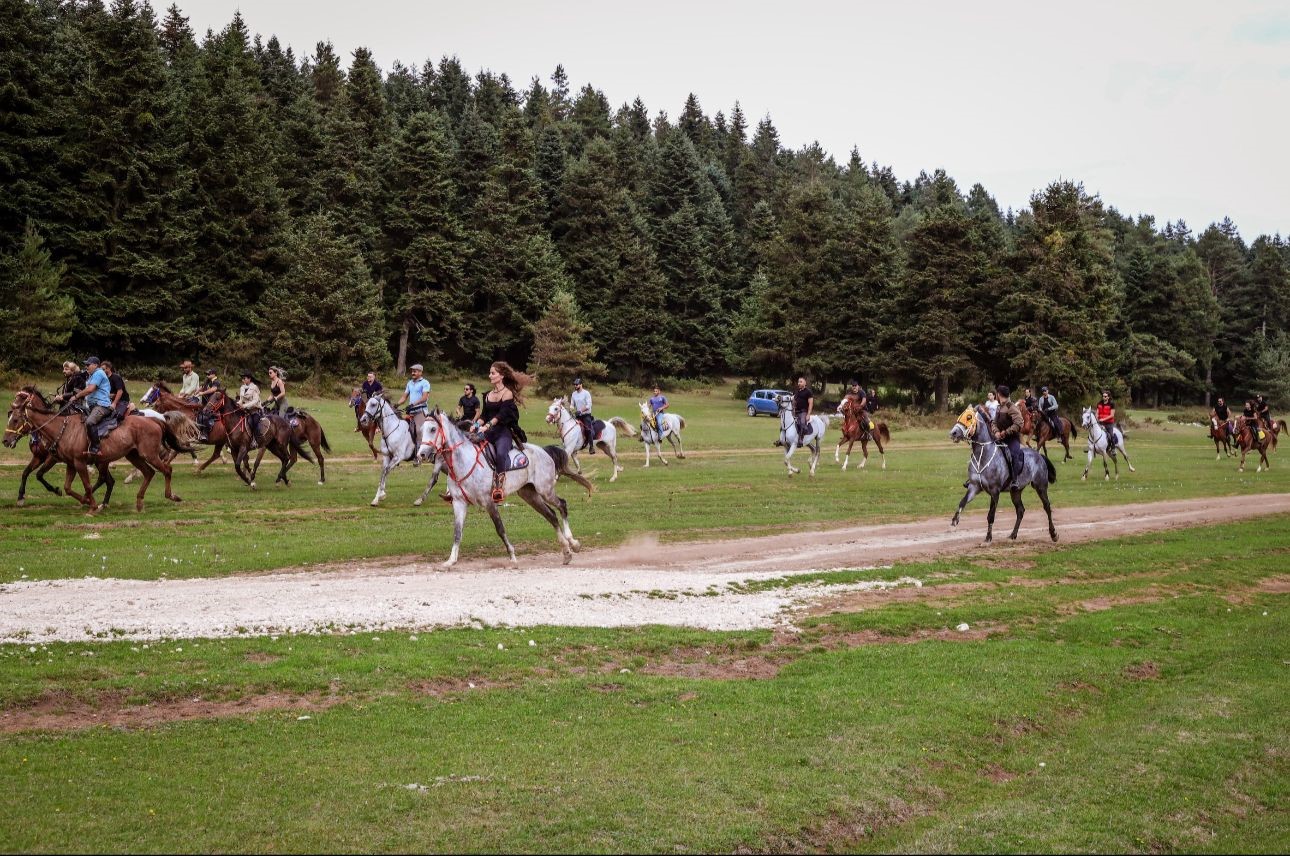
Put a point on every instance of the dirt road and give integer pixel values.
(642, 582)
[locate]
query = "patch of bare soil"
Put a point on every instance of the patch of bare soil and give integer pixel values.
(60, 712)
(1144, 671)
(261, 657)
(839, 832)
(997, 774)
(743, 669)
(855, 601)
(438, 687)
(1274, 585)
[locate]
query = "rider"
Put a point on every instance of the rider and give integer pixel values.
(469, 403)
(803, 404)
(859, 401)
(1251, 416)
(1048, 407)
(1223, 414)
(96, 396)
(278, 390)
(416, 393)
(213, 385)
(657, 404)
(1106, 417)
(116, 389)
(189, 382)
(1007, 430)
(581, 401)
(1030, 402)
(500, 421)
(1265, 413)
(371, 386)
(248, 400)
(74, 382)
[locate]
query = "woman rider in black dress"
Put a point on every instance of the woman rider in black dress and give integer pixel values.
(277, 390)
(500, 420)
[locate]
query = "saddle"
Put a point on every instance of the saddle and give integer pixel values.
(516, 461)
(597, 428)
(106, 427)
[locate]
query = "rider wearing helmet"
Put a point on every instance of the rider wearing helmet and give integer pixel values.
(581, 401)
(1008, 422)
(1106, 417)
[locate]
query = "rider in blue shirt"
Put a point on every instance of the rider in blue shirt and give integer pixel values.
(96, 395)
(657, 404)
(417, 395)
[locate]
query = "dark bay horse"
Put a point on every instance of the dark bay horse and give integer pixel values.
(305, 429)
(276, 436)
(1043, 432)
(138, 439)
(853, 430)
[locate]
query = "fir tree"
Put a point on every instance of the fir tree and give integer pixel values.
(561, 351)
(36, 316)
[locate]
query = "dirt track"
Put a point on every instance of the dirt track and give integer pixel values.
(639, 583)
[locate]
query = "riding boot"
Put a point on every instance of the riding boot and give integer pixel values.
(499, 493)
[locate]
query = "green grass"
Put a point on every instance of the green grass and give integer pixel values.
(733, 483)
(1051, 734)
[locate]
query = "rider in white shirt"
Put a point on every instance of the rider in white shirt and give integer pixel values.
(581, 402)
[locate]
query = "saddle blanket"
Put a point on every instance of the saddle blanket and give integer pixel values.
(597, 428)
(105, 427)
(151, 414)
(518, 460)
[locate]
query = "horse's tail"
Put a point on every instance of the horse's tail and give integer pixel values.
(622, 425)
(1052, 470)
(682, 418)
(181, 433)
(561, 459)
(882, 429)
(1074, 429)
(322, 438)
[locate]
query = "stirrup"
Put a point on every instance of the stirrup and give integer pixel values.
(499, 493)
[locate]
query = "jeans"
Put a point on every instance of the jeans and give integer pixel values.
(500, 437)
(1109, 428)
(418, 419)
(1018, 457)
(97, 414)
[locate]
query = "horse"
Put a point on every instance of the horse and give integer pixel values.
(669, 426)
(470, 482)
(1220, 433)
(1247, 438)
(305, 429)
(138, 439)
(1043, 432)
(852, 431)
(572, 436)
(42, 461)
(988, 471)
(788, 435)
(161, 399)
(276, 436)
(1097, 445)
(397, 444)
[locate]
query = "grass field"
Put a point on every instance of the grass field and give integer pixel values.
(1130, 696)
(732, 482)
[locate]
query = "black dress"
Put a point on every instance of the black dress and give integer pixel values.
(502, 434)
(277, 405)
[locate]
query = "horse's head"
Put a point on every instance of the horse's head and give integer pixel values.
(372, 411)
(18, 424)
(553, 412)
(645, 411)
(965, 426)
(1088, 418)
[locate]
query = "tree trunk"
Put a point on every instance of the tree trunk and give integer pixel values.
(942, 392)
(405, 332)
(1209, 382)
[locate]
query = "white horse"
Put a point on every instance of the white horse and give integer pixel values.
(1097, 445)
(470, 482)
(815, 428)
(669, 426)
(571, 435)
(397, 444)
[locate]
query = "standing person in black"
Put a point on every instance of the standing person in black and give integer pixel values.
(873, 400)
(469, 403)
(500, 421)
(116, 390)
(803, 404)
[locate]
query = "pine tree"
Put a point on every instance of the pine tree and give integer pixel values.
(36, 316)
(422, 245)
(325, 312)
(561, 351)
(27, 120)
(550, 166)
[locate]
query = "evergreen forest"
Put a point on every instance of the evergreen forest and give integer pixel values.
(165, 194)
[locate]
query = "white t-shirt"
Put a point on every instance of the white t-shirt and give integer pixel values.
(581, 401)
(991, 407)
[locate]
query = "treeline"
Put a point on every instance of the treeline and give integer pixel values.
(222, 199)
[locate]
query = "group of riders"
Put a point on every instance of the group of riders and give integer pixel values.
(1257, 415)
(99, 392)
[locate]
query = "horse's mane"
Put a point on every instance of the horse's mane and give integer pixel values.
(36, 394)
(163, 388)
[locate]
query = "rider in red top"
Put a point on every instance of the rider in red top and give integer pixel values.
(1106, 417)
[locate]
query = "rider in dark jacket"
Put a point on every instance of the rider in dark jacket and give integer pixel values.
(1008, 422)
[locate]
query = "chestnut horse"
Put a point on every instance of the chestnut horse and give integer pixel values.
(1247, 439)
(138, 439)
(161, 399)
(852, 431)
(1220, 433)
(276, 436)
(42, 461)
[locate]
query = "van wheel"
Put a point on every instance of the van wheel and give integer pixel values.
(752, 411)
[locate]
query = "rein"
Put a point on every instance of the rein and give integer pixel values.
(28, 426)
(442, 447)
(572, 422)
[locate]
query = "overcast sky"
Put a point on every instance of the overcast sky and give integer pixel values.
(1179, 110)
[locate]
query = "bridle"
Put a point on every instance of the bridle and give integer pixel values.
(974, 458)
(23, 400)
(559, 410)
(444, 451)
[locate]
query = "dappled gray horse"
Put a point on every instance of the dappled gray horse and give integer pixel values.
(815, 428)
(397, 443)
(988, 471)
(1098, 445)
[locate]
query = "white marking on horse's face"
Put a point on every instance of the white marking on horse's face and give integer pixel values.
(373, 408)
(958, 433)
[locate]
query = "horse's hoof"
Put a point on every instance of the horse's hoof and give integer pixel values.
(575, 546)
(21, 503)
(1132, 470)
(447, 564)
(58, 491)
(416, 503)
(252, 486)
(1054, 534)
(568, 557)
(174, 497)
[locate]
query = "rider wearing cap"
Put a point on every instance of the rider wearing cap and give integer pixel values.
(581, 401)
(96, 395)
(1008, 422)
(417, 394)
(1106, 417)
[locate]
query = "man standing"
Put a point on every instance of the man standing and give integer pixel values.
(189, 382)
(96, 396)
(872, 404)
(581, 401)
(417, 394)
(1048, 407)
(1007, 430)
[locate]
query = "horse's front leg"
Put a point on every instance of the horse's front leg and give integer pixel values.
(864, 453)
(459, 509)
(972, 491)
(1087, 466)
(989, 518)
(1021, 512)
(380, 488)
(645, 443)
(788, 455)
(434, 477)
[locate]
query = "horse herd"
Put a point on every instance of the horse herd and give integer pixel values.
(171, 426)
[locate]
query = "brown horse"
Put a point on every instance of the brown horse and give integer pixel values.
(1043, 432)
(305, 429)
(139, 439)
(42, 461)
(276, 436)
(1247, 439)
(166, 401)
(1219, 433)
(853, 430)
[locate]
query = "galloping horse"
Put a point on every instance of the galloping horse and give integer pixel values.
(276, 436)
(988, 471)
(160, 398)
(1247, 438)
(138, 439)
(1043, 432)
(788, 434)
(470, 482)
(1097, 445)
(397, 444)
(669, 426)
(852, 431)
(43, 460)
(304, 429)
(1218, 432)
(571, 434)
